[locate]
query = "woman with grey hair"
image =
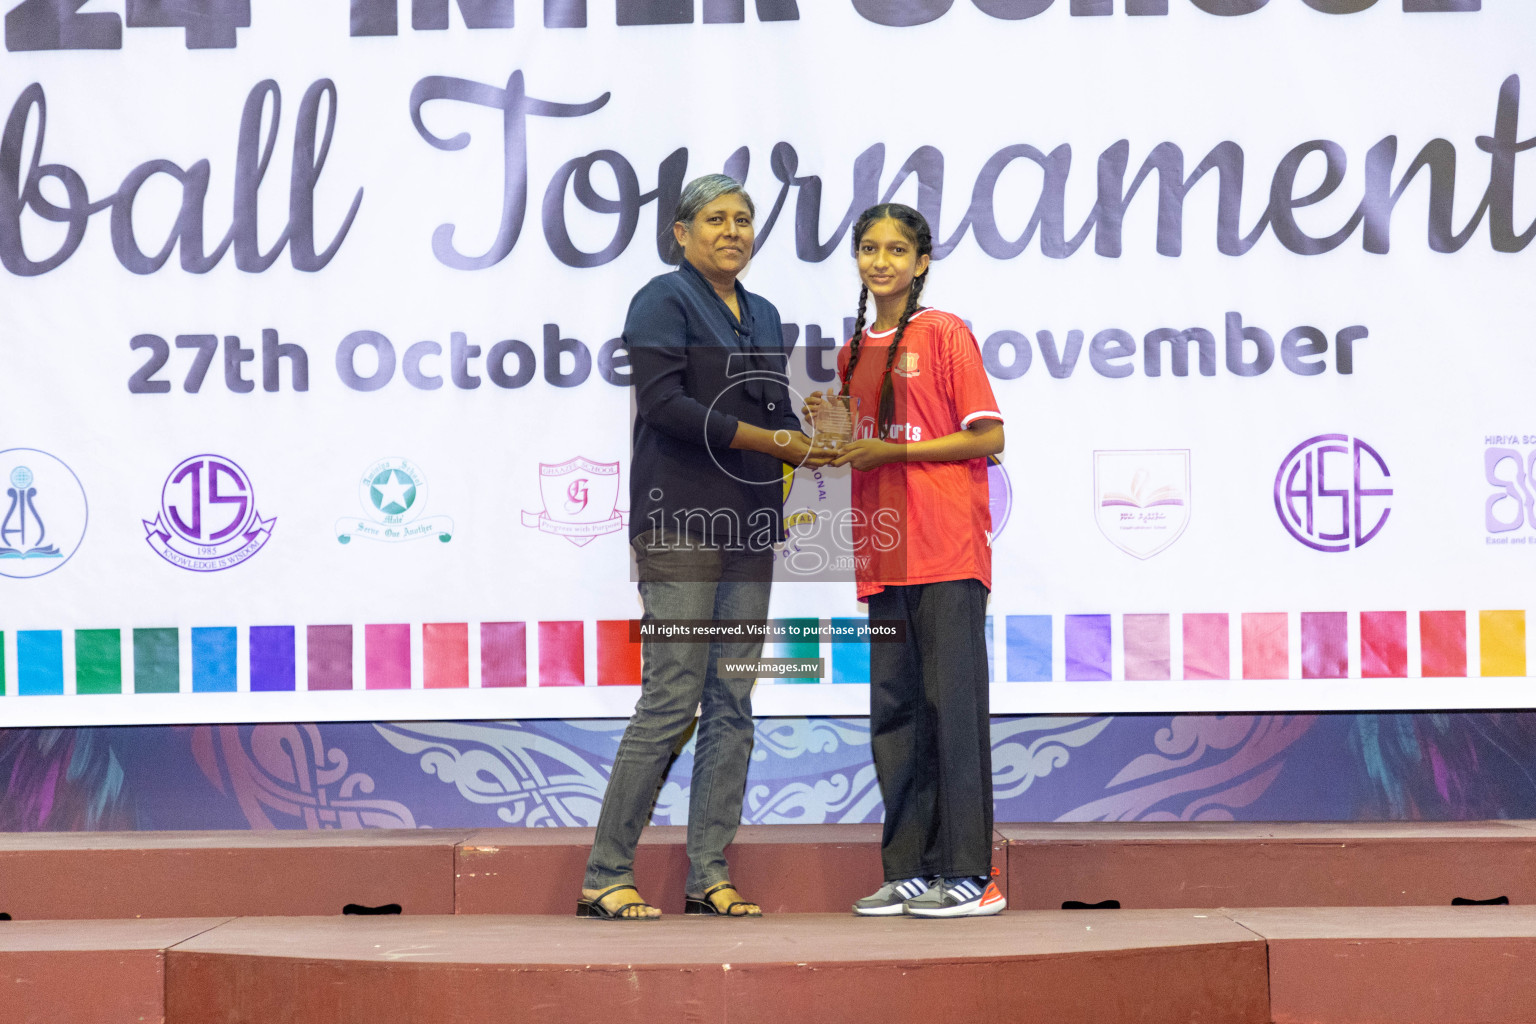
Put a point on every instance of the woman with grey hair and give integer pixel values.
(713, 431)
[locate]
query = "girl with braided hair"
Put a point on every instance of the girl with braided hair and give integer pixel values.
(927, 422)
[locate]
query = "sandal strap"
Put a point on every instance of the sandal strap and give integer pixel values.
(624, 910)
(729, 910)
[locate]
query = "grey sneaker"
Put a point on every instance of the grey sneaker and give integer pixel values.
(891, 898)
(958, 897)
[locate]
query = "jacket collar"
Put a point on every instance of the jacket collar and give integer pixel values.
(743, 328)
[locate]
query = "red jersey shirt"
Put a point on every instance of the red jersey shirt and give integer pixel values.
(922, 522)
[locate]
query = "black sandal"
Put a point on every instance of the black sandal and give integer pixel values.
(594, 908)
(704, 905)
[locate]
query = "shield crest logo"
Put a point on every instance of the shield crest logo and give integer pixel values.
(580, 498)
(1141, 499)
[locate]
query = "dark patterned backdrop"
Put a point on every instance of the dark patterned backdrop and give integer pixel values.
(541, 773)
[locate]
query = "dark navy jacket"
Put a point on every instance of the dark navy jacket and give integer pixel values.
(697, 372)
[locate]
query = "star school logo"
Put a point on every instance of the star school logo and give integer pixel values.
(44, 515)
(906, 365)
(1141, 499)
(393, 494)
(580, 500)
(208, 519)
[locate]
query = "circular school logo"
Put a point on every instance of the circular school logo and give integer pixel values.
(208, 519)
(999, 496)
(1329, 492)
(42, 516)
(393, 495)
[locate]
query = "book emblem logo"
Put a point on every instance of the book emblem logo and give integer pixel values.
(1142, 499)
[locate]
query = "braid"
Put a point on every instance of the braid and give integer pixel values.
(858, 334)
(887, 389)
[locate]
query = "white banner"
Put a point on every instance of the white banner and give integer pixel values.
(313, 405)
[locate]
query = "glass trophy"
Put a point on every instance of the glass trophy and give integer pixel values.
(834, 421)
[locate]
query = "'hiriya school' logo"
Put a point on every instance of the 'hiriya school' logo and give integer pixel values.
(208, 519)
(1509, 510)
(1141, 499)
(44, 515)
(393, 494)
(580, 500)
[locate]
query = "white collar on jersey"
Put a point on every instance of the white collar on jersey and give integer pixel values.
(887, 334)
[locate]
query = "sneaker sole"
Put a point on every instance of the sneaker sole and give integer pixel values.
(894, 910)
(961, 910)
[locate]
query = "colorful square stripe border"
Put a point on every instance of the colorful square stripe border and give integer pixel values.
(1267, 645)
(1028, 648)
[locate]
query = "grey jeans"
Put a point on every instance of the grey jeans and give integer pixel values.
(686, 583)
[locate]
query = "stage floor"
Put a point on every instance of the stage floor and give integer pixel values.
(1375, 965)
(1283, 923)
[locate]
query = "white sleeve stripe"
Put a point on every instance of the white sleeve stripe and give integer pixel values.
(989, 414)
